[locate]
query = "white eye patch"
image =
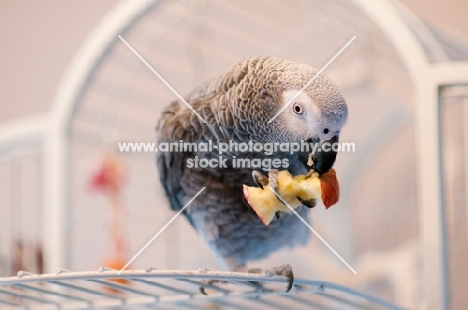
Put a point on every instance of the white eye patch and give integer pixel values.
(310, 108)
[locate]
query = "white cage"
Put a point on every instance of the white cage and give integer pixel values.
(21, 195)
(404, 199)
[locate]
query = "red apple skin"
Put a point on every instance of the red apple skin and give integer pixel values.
(330, 188)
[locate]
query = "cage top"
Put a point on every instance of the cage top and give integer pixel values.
(182, 288)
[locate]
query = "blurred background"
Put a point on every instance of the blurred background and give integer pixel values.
(73, 201)
(40, 38)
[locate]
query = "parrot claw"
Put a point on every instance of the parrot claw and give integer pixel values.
(259, 179)
(309, 203)
(310, 173)
(285, 270)
(202, 291)
(273, 182)
(208, 284)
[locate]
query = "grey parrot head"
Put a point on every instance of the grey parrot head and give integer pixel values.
(317, 114)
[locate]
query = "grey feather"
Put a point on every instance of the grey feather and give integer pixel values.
(238, 106)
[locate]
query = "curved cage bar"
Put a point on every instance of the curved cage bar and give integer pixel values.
(21, 212)
(175, 289)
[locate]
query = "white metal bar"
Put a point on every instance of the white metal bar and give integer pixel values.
(32, 298)
(183, 275)
(190, 306)
(66, 279)
(430, 200)
(269, 304)
(308, 303)
(22, 131)
(50, 292)
(124, 288)
(5, 302)
(340, 300)
(430, 181)
(206, 285)
(230, 304)
(85, 290)
(56, 234)
(448, 73)
(166, 287)
(386, 17)
(424, 34)
(426, 80)
(465, 155)
(430, 187)
(327, 286)
(248, 295)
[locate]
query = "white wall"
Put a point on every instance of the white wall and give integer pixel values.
(39, 38)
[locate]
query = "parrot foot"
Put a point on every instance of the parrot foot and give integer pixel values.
(273, 179)
(208, 284)
(283, 270)
(309, 203)
(259, 179)
(273, 182)
(310, 173)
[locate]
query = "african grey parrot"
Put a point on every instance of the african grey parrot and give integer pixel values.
(237, 106)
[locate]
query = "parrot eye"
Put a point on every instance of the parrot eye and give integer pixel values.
(297, 108)
(325, 131)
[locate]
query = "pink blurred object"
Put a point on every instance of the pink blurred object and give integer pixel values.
(109, 180)
(109, 177)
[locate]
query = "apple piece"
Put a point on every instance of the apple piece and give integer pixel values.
(311, 186)
(263, 202)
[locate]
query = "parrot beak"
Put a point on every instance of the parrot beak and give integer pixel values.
(324, 159)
